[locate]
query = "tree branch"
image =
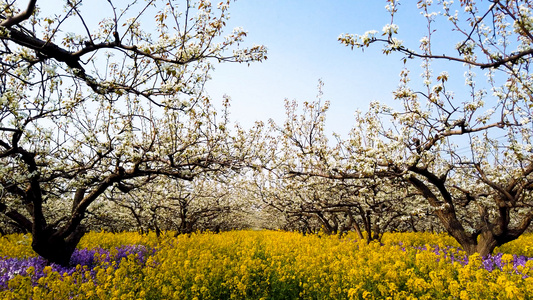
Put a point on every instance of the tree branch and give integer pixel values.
(14, 215)
(47, 48)
(24, 15)
(512, 58)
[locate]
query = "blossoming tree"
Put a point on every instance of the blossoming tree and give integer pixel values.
(110, 101)
(307, 184)
(166, 204)
(468, 153)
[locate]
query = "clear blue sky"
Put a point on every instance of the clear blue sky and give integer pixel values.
(301, 37)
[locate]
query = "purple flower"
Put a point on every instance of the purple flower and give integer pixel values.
(83, 257)
(489, 262)
(11, 267)
(492, 262)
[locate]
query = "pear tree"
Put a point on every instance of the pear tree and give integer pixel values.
(102, 95)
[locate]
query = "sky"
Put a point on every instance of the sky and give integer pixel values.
(301, 37)
(303, 48)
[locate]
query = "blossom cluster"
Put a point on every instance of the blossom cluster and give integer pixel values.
(270, 265)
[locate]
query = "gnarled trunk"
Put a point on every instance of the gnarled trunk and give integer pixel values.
(486, 239)
(484, 244)
(55, 248)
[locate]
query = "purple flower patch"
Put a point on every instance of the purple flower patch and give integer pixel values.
(489, 262)
(11, 267)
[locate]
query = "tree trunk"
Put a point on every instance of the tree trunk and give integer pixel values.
(54, 248)
(413, 227)
(376, 233)
(484, 243)
(367, 222)
(356, 227)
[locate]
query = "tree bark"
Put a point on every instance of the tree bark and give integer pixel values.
(54, 248)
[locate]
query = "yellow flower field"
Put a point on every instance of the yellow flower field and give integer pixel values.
(273, 265)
